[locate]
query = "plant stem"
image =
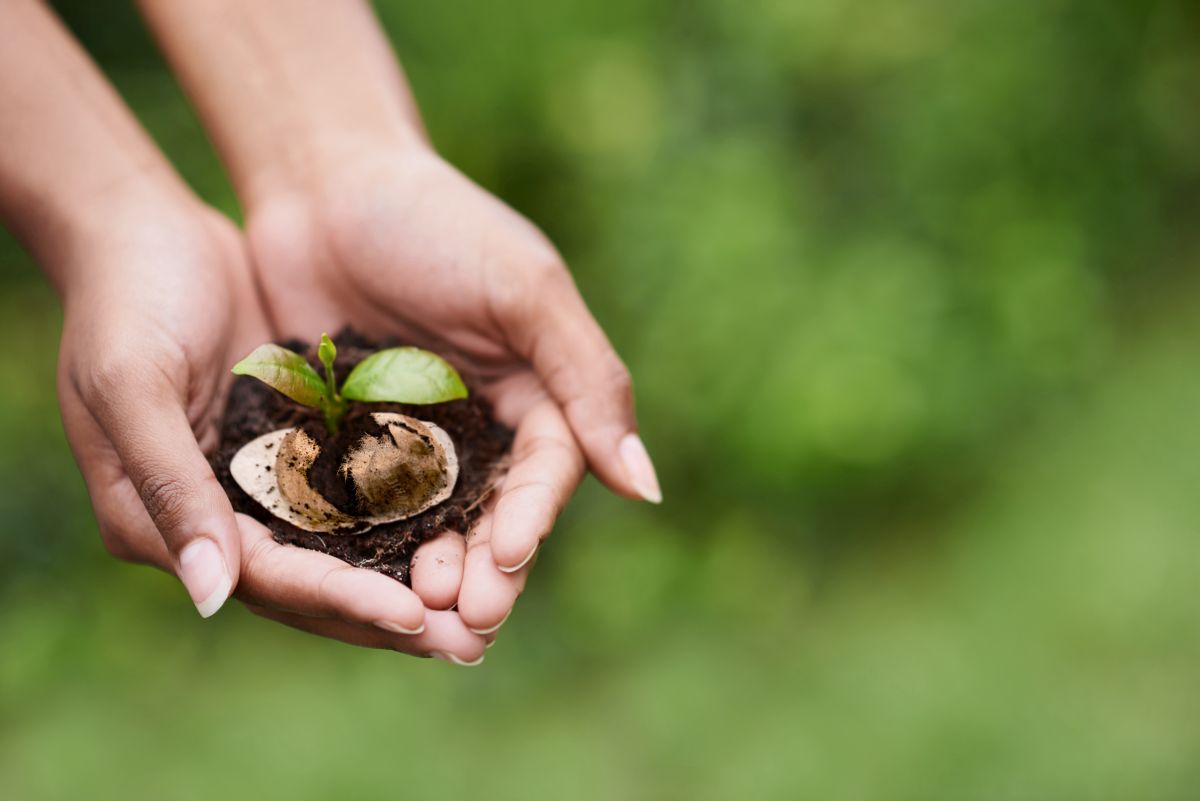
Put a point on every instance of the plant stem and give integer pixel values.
(335, 410)
(334, 405)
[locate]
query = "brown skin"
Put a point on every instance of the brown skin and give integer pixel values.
(353, 218)
(152, 315)
(136, 419)
(159, 301)
(481, 286)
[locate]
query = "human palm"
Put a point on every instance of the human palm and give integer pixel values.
(160, 310)
(402, 245)
(156, 310)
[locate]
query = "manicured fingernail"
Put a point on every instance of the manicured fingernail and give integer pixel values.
(493, 628)
(445, 657)
(396, 628)
(202, 570)
(639, 468)
(520, 564)
(490, 644)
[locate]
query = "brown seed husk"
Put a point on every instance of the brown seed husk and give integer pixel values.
(403, 471)
(399, 472)
(481, 444)
(296, 454)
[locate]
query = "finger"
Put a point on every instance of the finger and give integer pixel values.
(437, 570)
(591, 383)
(313, 584)
(445, 637)
(125, 528)
(488, 593)
(129, 533)
(144, 419)
(547, 469)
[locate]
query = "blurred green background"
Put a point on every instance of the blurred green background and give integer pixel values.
(908, 290)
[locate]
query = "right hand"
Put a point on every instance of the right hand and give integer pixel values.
(159, 303)
(400, 244)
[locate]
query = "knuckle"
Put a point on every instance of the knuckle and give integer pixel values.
(254, 584)
(325, 585)
(537, 285)
(326, 592)
(529, 491)
(253, 559)
(165, 498)
(549, 271)
(112, 389)
(541, 279)
(605, 393)
(618, 379)
(116, 544)
(116, 374)
(526, 447)
(107, 376)
(532, 496)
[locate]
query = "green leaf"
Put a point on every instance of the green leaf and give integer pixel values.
(327, 352)
(285, 371)
(404, 375)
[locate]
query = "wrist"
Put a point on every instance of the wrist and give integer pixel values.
(315, 162)
(78, 236)
(287, 90)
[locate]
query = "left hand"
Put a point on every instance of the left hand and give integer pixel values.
(398, 243)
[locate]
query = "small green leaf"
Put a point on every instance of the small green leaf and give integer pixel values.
(286, 371)
(404, 375)
(327, 352)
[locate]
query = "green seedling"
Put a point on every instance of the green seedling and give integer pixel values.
(395, 375)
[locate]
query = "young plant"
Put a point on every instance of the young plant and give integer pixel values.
(395, 375)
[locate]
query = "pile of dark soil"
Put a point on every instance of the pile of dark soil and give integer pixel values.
(481, 442)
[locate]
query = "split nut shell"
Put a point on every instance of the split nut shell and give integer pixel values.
(405, 468)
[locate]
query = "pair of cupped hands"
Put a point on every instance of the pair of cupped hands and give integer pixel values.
(168, 294)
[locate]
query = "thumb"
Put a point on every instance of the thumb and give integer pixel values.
(592, 385)
(150, 432)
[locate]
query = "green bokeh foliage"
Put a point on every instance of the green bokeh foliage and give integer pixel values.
(906, 292)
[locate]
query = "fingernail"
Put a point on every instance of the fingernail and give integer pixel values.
(519, 565)
(490, 644)
(640, 468)
(445, 657)
(396, 628)
(202, 570)
(493, 628)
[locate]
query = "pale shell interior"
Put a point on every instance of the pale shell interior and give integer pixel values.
(254, 469)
